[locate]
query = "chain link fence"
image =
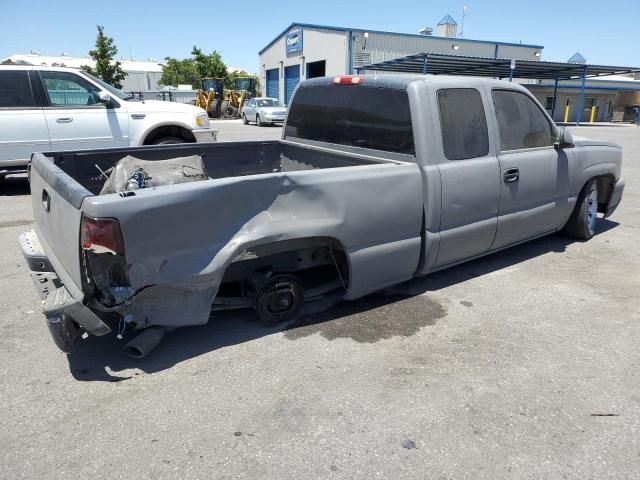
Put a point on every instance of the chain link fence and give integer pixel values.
(179, 96)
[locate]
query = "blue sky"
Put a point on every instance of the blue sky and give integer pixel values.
(604, 32)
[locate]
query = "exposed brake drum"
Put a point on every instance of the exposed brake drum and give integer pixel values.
(279, 298)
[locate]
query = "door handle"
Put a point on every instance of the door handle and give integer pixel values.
(64, 119)
(511, 175)
(46, 200)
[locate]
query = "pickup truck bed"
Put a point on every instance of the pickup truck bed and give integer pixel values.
(230, 159)
(324, 205)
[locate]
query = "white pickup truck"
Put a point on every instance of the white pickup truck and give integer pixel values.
(44, 109)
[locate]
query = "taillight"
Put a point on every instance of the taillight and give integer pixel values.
(101, 235)
(350, 80)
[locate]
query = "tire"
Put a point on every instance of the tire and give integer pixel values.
(244, 119)
(169, 141)
(584, 218)
(259, 121)
(227, 111)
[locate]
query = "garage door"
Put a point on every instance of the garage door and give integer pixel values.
(273, 85)
(291, 79)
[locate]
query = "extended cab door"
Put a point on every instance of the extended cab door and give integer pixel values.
(469, 174)
(23, 129)
(534, 197)
(75, 116)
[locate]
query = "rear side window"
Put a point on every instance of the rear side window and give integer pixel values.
(357, 116)
(15, 89)
(463, 123)
(521, 123)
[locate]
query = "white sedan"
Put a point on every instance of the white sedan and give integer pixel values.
(263, 111)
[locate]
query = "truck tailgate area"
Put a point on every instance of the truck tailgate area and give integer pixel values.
(56, 202)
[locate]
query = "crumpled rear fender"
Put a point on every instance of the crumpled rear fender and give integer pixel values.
(180, 239)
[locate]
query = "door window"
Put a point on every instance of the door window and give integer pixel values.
(521, 123)
(463, 123)
(15, 89)
(69, 90)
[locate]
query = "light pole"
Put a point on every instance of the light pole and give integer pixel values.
(464, 14)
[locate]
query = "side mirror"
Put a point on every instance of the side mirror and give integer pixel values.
(565, 139)
(105, 98)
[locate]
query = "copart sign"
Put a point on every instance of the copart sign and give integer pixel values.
(294, 42)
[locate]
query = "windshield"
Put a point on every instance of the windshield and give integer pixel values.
(112, 90)
(268, 102)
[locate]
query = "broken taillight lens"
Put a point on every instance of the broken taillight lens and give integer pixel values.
(101, 235)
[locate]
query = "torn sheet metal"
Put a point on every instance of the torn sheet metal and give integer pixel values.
(180, 240)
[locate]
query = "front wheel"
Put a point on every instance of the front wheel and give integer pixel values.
(583, 220)
(169, 141)
(244, 119)
(259, 121)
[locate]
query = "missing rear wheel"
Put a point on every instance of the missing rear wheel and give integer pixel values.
(279, 298)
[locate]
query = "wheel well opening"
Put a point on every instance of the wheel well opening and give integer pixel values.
(169, 131)
(605, 188)
(320, 263)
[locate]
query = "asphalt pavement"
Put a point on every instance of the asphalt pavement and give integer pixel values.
(523, 364)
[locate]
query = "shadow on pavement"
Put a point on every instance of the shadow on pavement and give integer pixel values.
(367, 320)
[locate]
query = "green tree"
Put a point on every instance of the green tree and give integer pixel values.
(107, 69)
(192, 70)
(8, 61)
(180, 72)
(209, 66)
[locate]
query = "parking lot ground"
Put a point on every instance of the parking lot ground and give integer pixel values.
(524, 364)
(235, 131)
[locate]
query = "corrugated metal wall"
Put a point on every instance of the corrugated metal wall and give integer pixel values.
(379, 47)
(141, 81)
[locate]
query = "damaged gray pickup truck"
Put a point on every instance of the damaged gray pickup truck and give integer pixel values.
(376, 180)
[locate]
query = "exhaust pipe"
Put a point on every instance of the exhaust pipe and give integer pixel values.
(146, 341)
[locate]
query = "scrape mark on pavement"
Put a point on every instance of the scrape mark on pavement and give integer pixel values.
(370, 319)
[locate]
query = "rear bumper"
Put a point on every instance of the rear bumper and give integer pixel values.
(205, 135)
(66, 316)
(614, 199)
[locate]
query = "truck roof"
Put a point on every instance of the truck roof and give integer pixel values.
(402, 82)
(24, 66)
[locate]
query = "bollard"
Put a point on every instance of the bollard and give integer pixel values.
(593, 114)
(566, 114)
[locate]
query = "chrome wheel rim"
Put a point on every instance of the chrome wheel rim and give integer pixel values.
(592, 210)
